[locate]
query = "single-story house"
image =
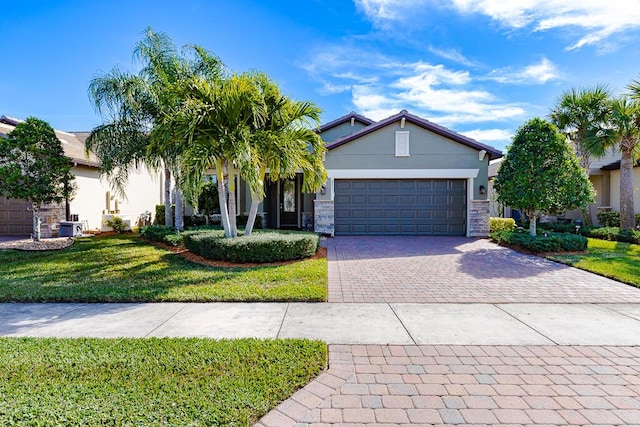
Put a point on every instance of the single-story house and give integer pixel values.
(604, 174)
(403, 175)
(93, 198)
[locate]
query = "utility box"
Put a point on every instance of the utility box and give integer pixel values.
(70, 229)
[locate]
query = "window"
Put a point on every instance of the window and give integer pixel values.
(402, 144)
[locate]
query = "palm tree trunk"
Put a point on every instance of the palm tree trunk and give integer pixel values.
(168, 217)
(255, 201)
(222, 198)
(253, 213)
(627, 218)
(35, 208)
(233, 227)
(179, 209)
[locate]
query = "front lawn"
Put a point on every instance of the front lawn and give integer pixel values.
(150, 382)
(123, 268)
(619, 261)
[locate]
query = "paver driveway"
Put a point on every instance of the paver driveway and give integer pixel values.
(444, 385)
(457, 269)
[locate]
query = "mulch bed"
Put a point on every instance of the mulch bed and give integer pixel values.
(190, 256)
(49, 244)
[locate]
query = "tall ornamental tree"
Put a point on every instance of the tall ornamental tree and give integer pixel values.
(33, 167)
(283, 143)
(132, 106)
(216, 118)
(622, 131)
(541, 174)
(578, 113)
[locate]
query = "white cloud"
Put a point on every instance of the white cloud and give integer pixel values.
(489, 135)
(539, 73)
(595, 20)
(452, 55)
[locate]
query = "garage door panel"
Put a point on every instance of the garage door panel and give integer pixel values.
(16, 218)
(418, 206)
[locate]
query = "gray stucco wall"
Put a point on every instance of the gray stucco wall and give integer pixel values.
(427, 151)
(341, 130)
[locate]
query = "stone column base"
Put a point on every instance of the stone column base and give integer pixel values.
(479, 218)
(324, 217)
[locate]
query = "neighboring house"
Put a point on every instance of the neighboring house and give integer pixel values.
(604, 175)
(93, 198)
(402, 175)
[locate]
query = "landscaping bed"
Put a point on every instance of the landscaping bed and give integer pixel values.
(149, 382)
(124, 268)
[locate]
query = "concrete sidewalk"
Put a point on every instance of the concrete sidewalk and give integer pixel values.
(395, 324)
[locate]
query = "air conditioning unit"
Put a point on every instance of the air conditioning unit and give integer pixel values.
(70, 229)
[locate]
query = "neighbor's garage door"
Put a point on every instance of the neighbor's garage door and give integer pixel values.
(400, 206)
(15, 219)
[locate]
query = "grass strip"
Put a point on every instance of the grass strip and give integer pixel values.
(150, 382)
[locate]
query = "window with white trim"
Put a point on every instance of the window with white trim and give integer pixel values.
(402, 143)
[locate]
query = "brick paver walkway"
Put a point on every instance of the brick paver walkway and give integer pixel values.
(469, 385)
(462, 270)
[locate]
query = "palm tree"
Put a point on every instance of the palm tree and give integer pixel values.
(621, 131)
(134, 104)
(284, 144)
(579, 113)
(215, 119)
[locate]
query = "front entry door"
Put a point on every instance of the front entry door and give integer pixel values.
(289, 209)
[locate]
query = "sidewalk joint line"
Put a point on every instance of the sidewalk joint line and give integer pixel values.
(167, 319)
(403, 325)
(286, 311)
(615, 311)
(528, 326)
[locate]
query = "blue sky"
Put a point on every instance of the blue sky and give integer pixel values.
(479, 67)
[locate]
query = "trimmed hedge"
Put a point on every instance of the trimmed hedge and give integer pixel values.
(553, 242)
(162, 234)
(268, 246)
(612, 219)
(615, 234)
(566, 227)
(501, 224)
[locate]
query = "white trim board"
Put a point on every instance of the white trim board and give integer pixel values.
(402, 173)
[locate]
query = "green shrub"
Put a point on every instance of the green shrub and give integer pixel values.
(501, 224)
(268, 246)
(117, 224)
(566, 227)
(241, 221)
(162, 234)
(615, 234)
(159, 219)
(609, 219)
(553, 242)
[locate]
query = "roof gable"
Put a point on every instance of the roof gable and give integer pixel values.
(422, 123)
(344, 119)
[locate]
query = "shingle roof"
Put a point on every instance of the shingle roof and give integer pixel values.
(72, 143)
(425, 124)
(346, 118)
(616, 165)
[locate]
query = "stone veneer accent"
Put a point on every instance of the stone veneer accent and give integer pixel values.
(479, 218)
(323, 218)
(50, 217)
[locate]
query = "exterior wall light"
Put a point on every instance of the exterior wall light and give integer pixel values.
(482, 190)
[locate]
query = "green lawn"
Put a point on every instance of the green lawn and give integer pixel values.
(123, 268)
(150, 382)
(619, 261)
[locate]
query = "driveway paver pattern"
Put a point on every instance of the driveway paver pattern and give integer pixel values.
(428, 269)
(384, 385)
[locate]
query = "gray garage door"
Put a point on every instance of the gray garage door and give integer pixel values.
(15, 219)
(400, 206)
